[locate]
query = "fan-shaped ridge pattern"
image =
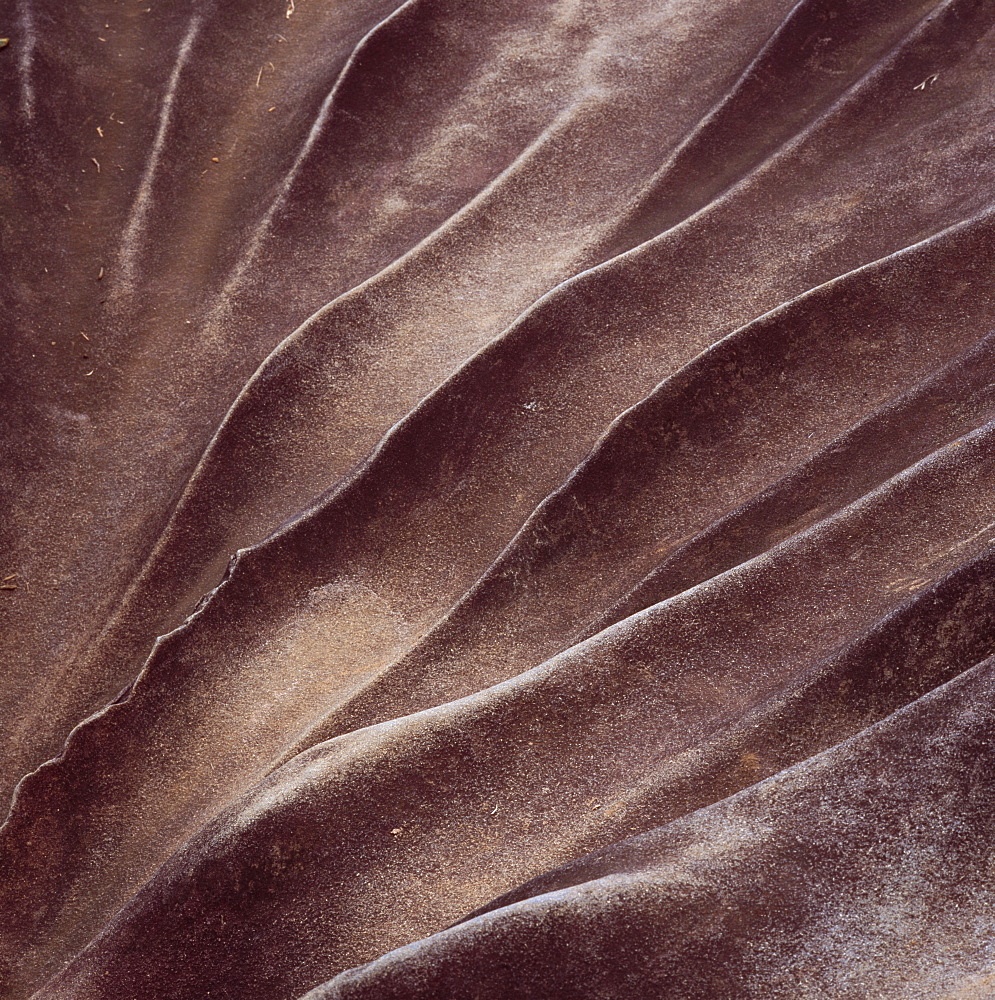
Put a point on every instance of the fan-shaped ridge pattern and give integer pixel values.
(499, 499)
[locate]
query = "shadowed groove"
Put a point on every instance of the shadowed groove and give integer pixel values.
(696, 559)
(164, 654)
(217, 443)
(157, 347)
(869, 74)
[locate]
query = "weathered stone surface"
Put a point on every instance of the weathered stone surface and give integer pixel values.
(499, 499)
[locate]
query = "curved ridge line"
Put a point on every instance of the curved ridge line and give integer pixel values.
(878, 495)
(687, 370)
(532, 148)
(119, 700)
(790, 140)
(724, 195)
(703, 124)
(433, 398)
(780, 152)
(820, 669)
(583, 468)
(301, 330)
(324, 113)
(563, 285)
(837, 748)
(842, 747)
(131, 235)
(440, 232)
(856, 507)
(589, 462)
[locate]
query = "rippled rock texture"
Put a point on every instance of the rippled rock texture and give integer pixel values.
(499, 499)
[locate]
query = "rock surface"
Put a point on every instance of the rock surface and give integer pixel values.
(499, 499)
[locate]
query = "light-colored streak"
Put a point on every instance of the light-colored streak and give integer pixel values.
(142, 204)
(25, 59)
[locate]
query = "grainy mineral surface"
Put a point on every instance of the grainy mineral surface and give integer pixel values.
(498, 499)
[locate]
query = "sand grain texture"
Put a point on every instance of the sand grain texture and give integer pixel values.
(499, 499)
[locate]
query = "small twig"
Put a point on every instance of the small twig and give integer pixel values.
(290, 9)
(93, 160)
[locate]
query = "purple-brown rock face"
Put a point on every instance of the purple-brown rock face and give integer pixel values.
(499, 499)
